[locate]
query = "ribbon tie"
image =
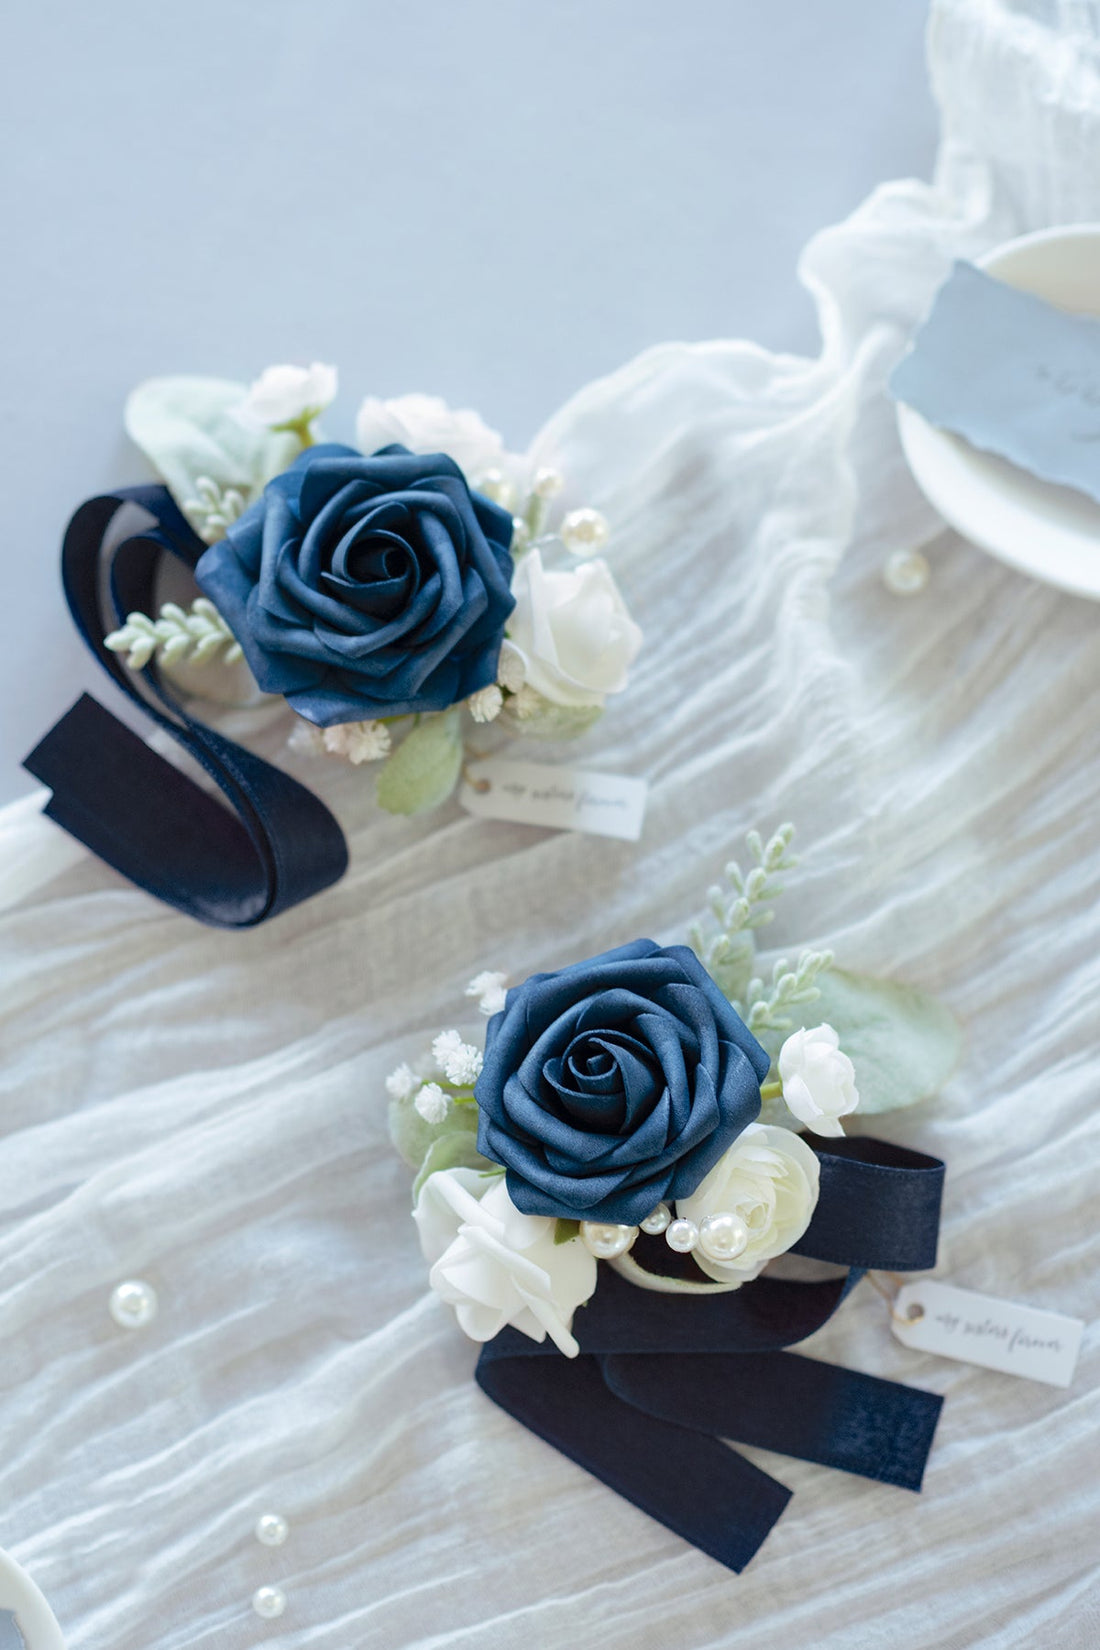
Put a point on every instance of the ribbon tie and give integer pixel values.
(275, 844)
(661, 1379)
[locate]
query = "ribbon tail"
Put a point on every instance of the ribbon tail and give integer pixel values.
(797, 1406)
(150, 822)
(696, 1486)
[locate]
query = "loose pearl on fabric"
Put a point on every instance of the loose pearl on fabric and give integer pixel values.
(658, 1221)
(272, 1529)
(906, 573)
(585, 532)
(605, 1240)
(548, 483)
(133, 1304)
(682, 1235)
(723, 1236)
(269, 1602)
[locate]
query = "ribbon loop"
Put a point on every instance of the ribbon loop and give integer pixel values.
(274, 845)
(661, 1379)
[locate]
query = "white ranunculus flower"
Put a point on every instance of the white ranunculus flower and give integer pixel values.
(285, 396)
(573, 630)
(496, 1266)
(819, 1080)
(425, 424)
(768, 1180)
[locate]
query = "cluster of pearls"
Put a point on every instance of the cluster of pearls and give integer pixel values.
(720, 1237)
(272, 1530)
(583, 532)
(133, 1305)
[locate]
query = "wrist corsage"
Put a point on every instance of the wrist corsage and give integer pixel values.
(398, 594)
(602, 1192)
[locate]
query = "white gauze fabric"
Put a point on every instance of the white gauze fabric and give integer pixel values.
(206, 1110)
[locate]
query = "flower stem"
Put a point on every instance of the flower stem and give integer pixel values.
(772, 1090)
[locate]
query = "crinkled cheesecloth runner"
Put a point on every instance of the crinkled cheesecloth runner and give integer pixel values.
(205, 1109)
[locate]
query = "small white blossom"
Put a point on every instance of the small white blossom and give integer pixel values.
(526, 703)
(819, 1080)
(425, 424)
(510, 672)
(490, 988)
(290, 397)
(358, 742)
(459, 1062)
(496, 1266)
(432, 1103)
(573, 628)
(306, 738)
(486, 705)
(400, 1083)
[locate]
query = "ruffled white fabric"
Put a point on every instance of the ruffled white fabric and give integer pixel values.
(207, 1111)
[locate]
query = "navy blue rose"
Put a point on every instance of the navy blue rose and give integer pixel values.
(364, 587)
(615, 1083)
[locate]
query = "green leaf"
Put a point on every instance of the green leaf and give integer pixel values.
(457, 1150)
(187, 428)
(552, 721)
(566, 1230)
(903, 1043)
(413, 1136)
(423, 770)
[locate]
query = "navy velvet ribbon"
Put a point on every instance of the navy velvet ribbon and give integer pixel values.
(662, 1379)
(233, 867)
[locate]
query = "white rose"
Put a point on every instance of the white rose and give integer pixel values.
(425, 424)
(819, 1081)
(290, 396)
(768, 1181)
(573, 630)
(496, 1266)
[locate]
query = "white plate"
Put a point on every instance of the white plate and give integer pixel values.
(26, 1620)
(1051, 532)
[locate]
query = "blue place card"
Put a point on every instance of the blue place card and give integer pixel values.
(1011, 374)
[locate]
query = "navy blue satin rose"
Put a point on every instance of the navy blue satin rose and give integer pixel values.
(364, 587)
(614, 1083)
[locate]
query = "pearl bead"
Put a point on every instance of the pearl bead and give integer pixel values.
(269, 1602)
(658, 1221)
(133, 1304)
(272, 1530)
(496, 485)
(906, 573)
(682, 1236)
(723, 1236)
(548, 483)
(605, 1240)
(585, 532)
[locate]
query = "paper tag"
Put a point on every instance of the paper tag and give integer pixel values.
(979, 1329)
(566, 799)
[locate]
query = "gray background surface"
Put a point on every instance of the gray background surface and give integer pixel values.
(494, 200)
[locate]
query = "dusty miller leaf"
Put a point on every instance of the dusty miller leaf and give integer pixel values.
(424, 768)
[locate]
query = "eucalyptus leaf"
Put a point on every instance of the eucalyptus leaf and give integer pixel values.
(424, 768)
(450, 1151)
(552, 721)
(412, 1135)
(903, 1043)
(189, 427)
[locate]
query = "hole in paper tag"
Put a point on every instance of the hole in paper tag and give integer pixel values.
(565, 799)
(979, 1329)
